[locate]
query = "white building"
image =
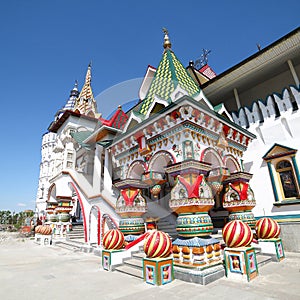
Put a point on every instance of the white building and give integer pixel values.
(84, 154)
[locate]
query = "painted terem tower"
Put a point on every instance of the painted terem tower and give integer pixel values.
(178, 159)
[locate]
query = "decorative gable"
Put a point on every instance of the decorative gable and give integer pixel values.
(278, 151)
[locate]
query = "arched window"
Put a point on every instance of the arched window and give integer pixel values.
(287, 179)
(284, 174)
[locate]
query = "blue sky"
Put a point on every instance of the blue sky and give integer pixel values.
(46, 45)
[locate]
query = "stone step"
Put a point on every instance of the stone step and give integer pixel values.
(75, 232)
(135, 263)
(162, 221)
(139, 255)
(79, 240)
(68, 245)
(129, 270)
(166, 227)
(77, 229)
(77, 236)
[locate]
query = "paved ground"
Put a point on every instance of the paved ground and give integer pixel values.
(30, 271)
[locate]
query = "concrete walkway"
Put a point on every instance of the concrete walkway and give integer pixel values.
(30, 271)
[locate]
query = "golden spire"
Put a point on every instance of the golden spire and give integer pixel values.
(85, 102)
(167, 43)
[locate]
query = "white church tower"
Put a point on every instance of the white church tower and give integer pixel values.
(48, 155)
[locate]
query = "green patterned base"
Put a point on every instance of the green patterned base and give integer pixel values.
(132, 226)
(191, 225)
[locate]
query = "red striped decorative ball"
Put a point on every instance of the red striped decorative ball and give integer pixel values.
(45, 230)
(157, 244)
(38, 229)
(267, 228)
(237, 234)
(113, 239)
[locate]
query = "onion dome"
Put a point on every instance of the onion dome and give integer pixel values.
(158, 244)
(237, 234)
(113, 239)
(267, 228)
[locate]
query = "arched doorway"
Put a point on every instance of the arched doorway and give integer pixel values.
(75, 191)
(158, 162)
(94, 225)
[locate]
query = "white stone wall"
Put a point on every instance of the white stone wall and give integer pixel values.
(46, 167)
(269, 129)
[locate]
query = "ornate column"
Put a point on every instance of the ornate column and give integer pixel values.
(154, 180)
(239, 198)
(62, 210)
(191, 198)
(131, 205)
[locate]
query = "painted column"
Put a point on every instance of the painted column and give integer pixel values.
(131, 205)
(296, 168)
(273, 181)
(97, 168)
(239, 199)
(107, 171)
(237, 99)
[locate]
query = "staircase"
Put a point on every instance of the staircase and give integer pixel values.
(76, 234)
(75, 240)
(133, 266)
(165, 226)
(74, 246)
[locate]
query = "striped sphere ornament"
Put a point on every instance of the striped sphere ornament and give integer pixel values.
(113, 239)
(45, 230)
(38, 229)
(237, 234)
(157, 244)
(267, 228)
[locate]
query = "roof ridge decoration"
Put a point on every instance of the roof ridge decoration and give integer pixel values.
(86, 103)
(170, 75)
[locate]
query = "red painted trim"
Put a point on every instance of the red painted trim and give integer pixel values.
(192, 189)
(99, 228)
(83, 212)
(98, 223)
(139, 239)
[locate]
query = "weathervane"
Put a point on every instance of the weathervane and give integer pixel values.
(203, 60)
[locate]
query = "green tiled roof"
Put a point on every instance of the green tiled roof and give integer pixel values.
(169, 74)
(80, 136)
(218, 107)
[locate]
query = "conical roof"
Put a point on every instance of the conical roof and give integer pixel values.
(169, 75)
(86, 103)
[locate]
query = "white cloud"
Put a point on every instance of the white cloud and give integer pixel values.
(21, 204)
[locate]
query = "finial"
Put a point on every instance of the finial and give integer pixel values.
(76, 85)
(167, 43)
(90, 64)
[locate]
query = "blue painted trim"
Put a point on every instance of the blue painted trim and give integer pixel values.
(296, 169)
(273, 181)
(281, 217)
